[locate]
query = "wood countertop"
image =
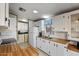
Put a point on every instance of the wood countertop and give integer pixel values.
(73, 48)
(61, 41)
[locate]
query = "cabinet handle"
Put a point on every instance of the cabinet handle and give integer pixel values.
(63, 16)
(68, 17)
(67, 50)
(54, 44)
(5, 19)
(49, 42)
(64, 28)
(9, 23)
(65, 47)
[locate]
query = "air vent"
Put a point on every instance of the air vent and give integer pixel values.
(22, 9)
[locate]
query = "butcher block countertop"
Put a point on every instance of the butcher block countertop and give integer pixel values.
(61, 41)
(73, 48)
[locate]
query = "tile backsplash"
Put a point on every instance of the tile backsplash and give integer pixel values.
(62, 35)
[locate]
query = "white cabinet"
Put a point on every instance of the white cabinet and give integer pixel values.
(71, 53)
(59, 49)
(7, 14)
(56, 49)
(40, 24)
(4, 15)
(38, 42)
(45, 46)
(61, 22)
(52, 49)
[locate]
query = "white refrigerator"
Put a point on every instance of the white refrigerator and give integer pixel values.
(33, 34)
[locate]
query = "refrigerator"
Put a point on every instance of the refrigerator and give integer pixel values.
(33, 34)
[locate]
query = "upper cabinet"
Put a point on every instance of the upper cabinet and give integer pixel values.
(61, 22)
(75, 27)
(67, 22)
(4, 15)
(40, 25)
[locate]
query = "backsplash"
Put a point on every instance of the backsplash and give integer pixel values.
(62, 35)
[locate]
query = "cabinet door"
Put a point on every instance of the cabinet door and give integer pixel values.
(42, 44)
(72, 53)
(21, 38)
(46, 46)
(38, 43)
(7, 13)
(52, 49)
(62, 22)
(2, 14)
(65, 52)
(59, 49)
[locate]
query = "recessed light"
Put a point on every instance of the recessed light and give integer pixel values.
(24, 20)
(35, 11)
(46, 16)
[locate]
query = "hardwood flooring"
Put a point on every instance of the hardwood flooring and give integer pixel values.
(16, 50)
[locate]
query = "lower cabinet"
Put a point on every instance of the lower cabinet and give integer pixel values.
(54, 49)
(50, 47)
(39, 43)
(70, 53)
(45, 46)
(23, 37)
(60, 49)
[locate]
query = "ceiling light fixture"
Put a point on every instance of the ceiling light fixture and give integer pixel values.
(46, 16)
(35, 11)
(24, 20)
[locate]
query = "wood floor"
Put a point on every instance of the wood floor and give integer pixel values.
(16, 50)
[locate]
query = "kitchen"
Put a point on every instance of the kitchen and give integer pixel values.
(23, 32)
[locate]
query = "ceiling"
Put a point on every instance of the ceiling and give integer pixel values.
(43, 9)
